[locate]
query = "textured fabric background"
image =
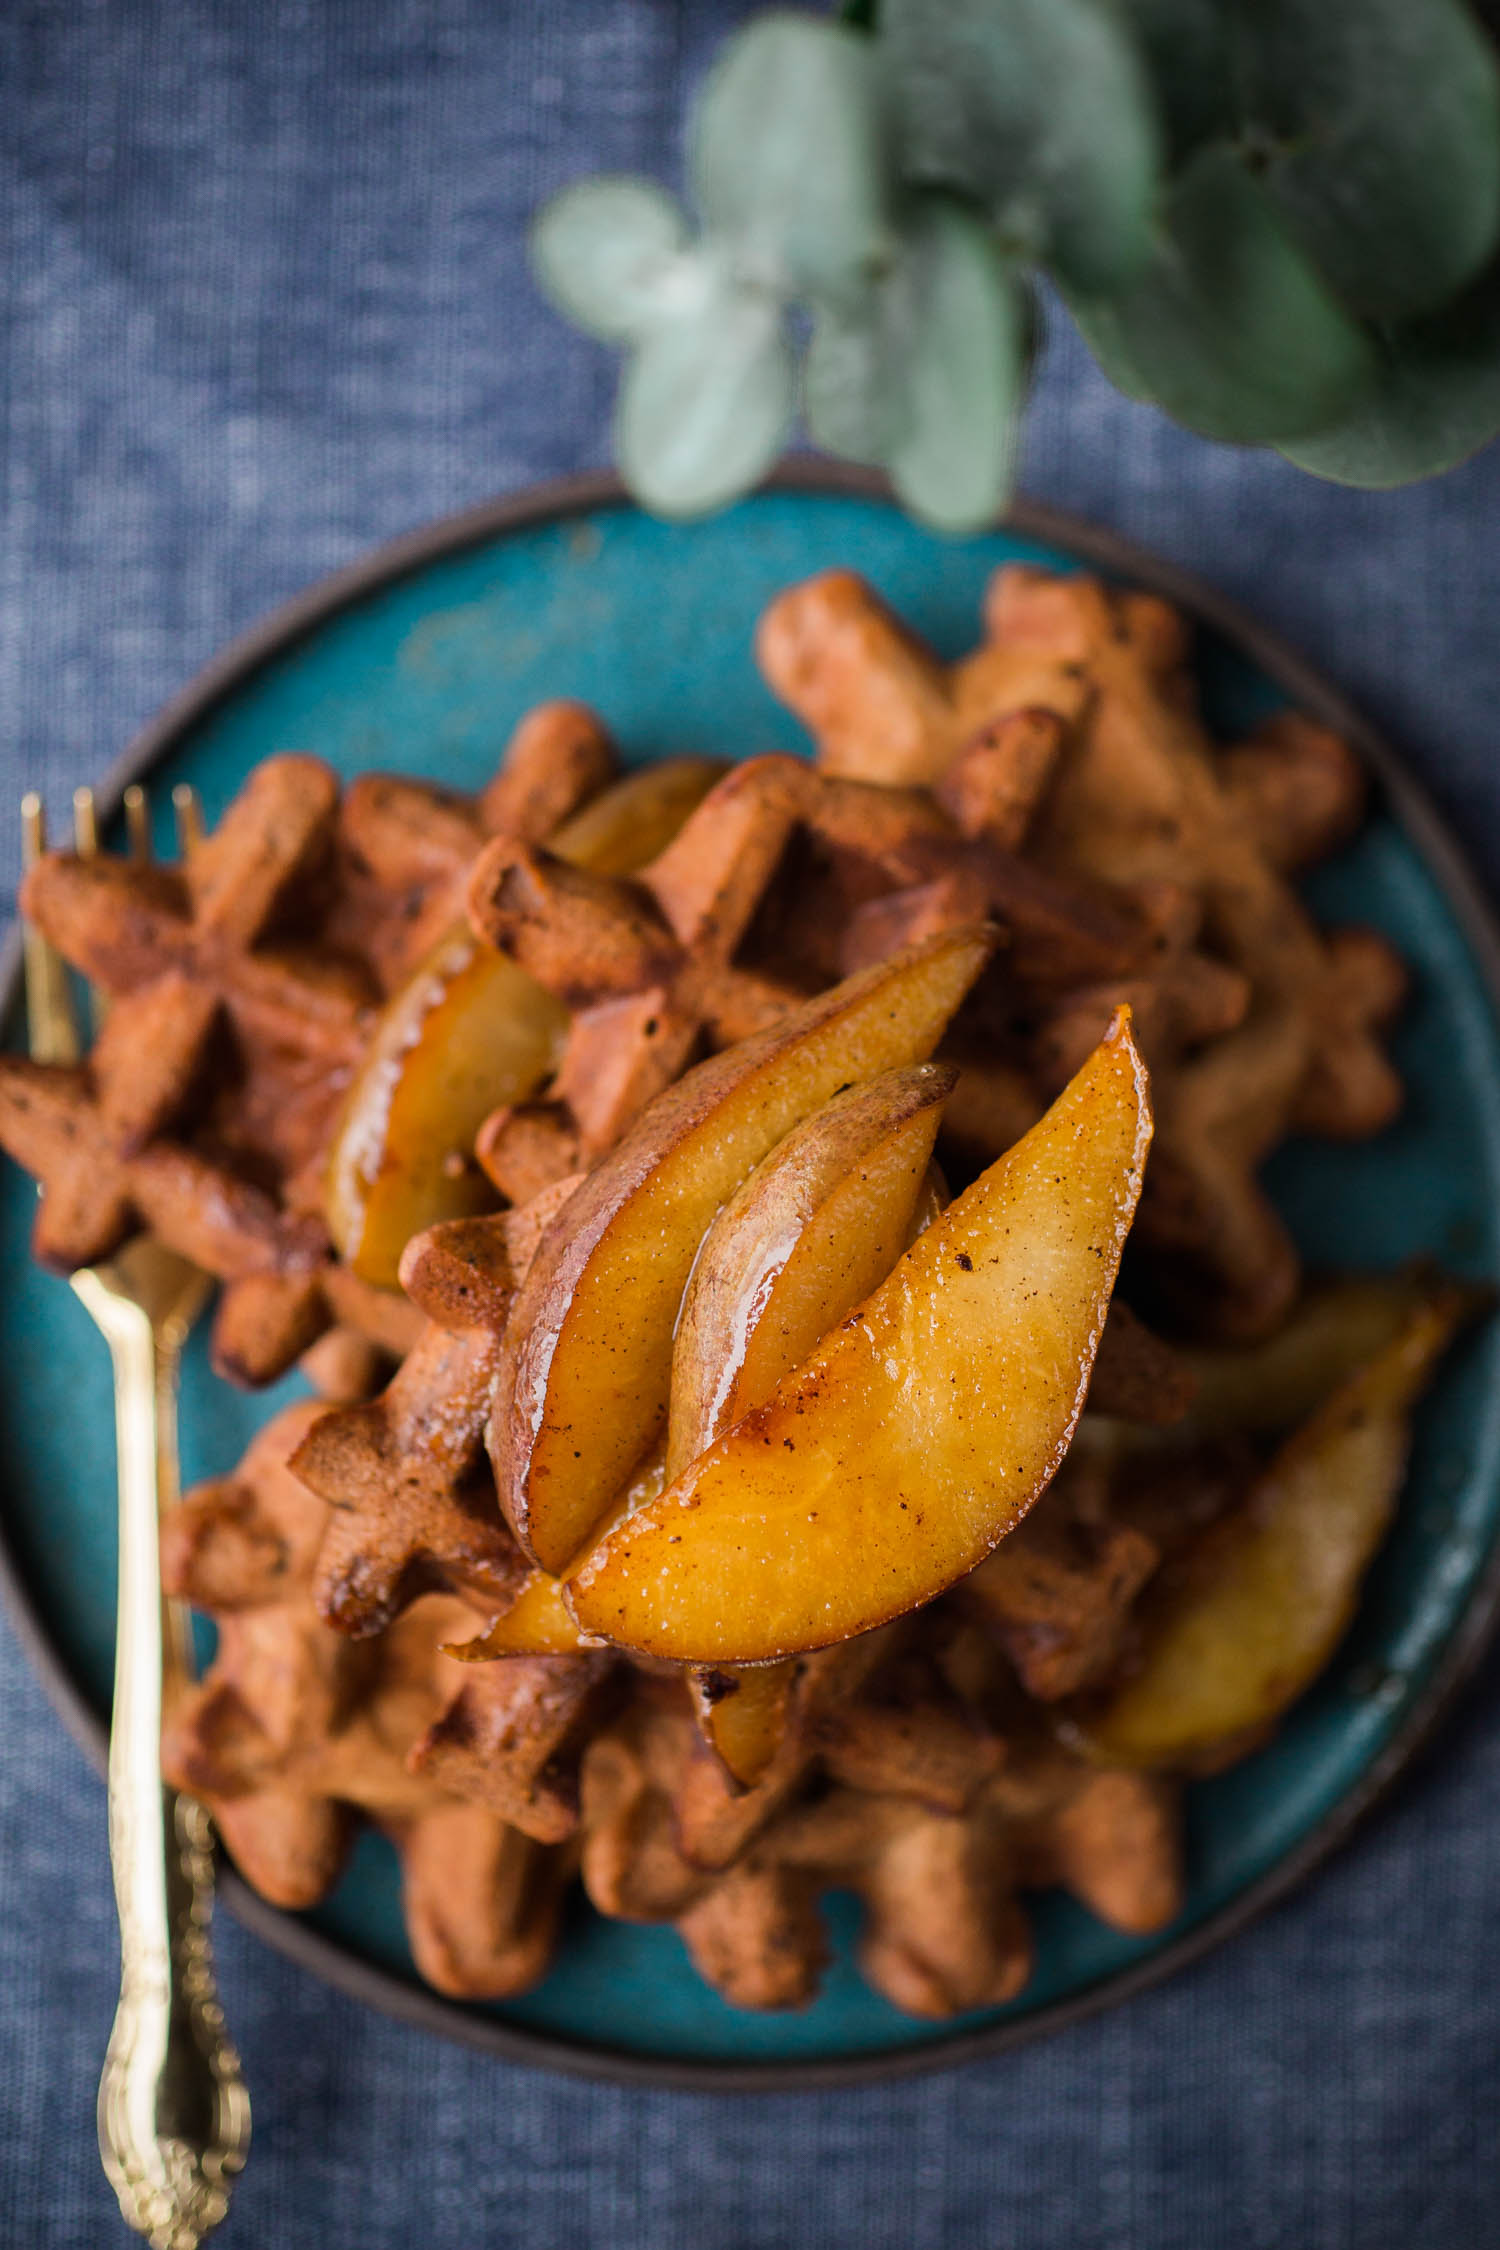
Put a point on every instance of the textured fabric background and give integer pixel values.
(265, 302)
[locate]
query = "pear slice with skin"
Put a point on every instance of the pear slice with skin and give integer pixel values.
(1270, 1591)
(587, 1363)
(814, 1229)
(816, 1226)
(538, 1623)
(627, 826)
(466, 1034)
(919, 1433)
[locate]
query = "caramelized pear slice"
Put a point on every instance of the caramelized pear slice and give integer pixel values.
(1270, 1591)
(816, 1226)
(539, 1622)
(628, 824)
(919, 1433)
(468, 1033)
(743, 1711)
(1263, 1389)
(587, 1367)
(814, 1229)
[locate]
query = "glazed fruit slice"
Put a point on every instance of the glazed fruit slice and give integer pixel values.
(1270, 1591)
(743, 1711)
(469, 1033)
(585, 1389)
(917, 1434)
(814, 1229)
(539, 1621)
(626, 826)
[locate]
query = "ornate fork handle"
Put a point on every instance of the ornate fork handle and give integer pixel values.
(174, 2114)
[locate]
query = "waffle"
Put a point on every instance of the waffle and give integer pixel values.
(781, 881)
(1255, 1025)
(297, 1735)
(405, 846)
(495, 1781)
(405, 1477)
(244, 986)
(937, 1825)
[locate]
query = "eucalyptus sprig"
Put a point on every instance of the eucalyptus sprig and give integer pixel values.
(1275, 219)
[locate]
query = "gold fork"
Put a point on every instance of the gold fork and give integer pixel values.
(174, 2114)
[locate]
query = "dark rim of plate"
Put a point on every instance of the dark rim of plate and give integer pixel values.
(414, 2004)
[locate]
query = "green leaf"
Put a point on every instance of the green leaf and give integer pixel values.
(964, 376)
(706, 402)
(850, 395)
(610, 254)
(1230, 329)
(1374, 126)
(1378, 122)
(1437, 399)
(790, 158)
(1186, 46)
(1040, 111)
(928, 379)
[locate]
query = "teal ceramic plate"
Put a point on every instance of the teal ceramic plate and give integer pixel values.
(422, 658)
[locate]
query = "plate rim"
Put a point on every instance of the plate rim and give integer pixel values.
(555, 501)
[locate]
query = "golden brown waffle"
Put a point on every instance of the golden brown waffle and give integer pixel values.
(225, 945)
(1057, 1594)
(780, 882)
(244, 984)
(405, 846)
(1254, 1024)
(513, 1734)
(411, 1499)
(280, 1290)
(881, 706)
(297, 1734)
(934, 1823)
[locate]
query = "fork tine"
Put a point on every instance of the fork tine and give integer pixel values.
(86, 844)
(189, 817)
(85, 823)
(137, 822)
(51, 1031)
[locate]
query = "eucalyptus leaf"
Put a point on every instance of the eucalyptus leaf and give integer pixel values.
(610, 254)
(1378, 123)
(964, 372)
(850, 392)
(1187, 49)
(928, 378)
(1230, 328)
(706, 403)
(1436, 401)
(1040, 111)
(790, 156)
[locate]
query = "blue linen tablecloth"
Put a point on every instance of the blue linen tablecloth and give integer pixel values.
(265, 302)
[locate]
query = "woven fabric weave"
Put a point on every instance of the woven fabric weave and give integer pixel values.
(264, 303)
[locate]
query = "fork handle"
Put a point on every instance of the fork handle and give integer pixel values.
(174, 2114)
